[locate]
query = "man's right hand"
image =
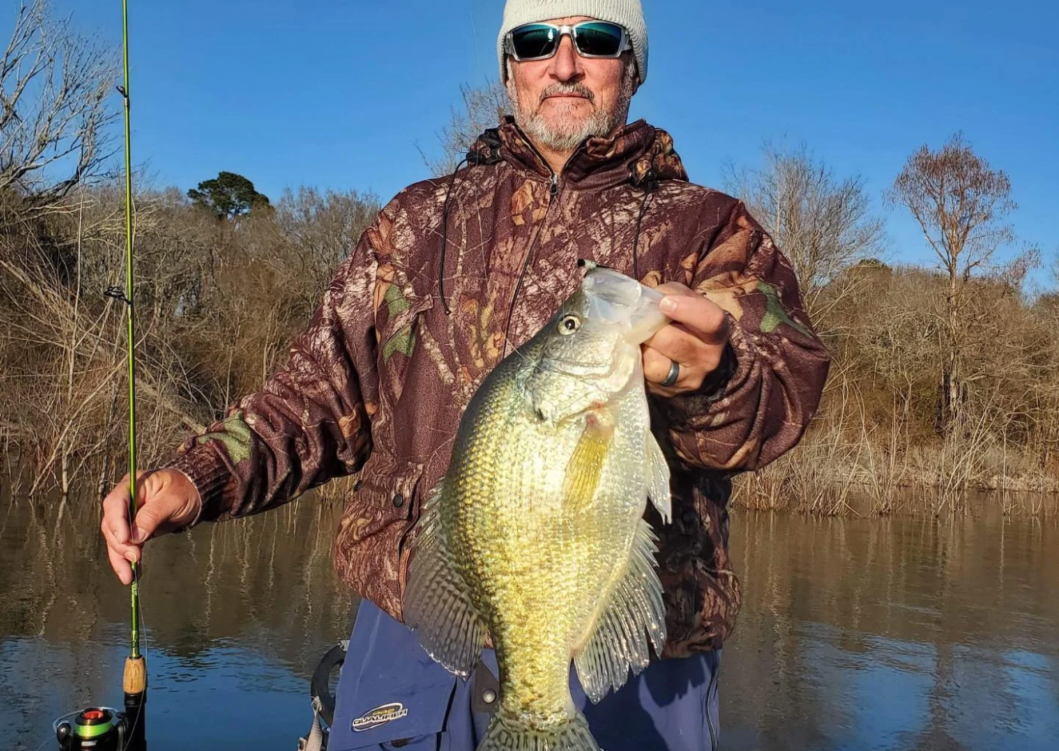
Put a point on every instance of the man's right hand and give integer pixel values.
(166, 501)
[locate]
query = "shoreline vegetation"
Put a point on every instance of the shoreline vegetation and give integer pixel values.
(943, 383)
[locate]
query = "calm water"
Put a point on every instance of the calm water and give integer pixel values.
(856, 634)
(894, 634)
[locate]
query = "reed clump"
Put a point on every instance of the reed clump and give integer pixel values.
(877, 445)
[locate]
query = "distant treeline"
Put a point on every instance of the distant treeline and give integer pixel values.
(944, 375)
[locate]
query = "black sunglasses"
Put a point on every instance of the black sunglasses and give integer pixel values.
(539, 41)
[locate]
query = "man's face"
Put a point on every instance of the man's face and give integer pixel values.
(567, 98)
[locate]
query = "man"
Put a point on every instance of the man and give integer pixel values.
(454, 275)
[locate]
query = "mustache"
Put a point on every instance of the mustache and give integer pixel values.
(559, 89)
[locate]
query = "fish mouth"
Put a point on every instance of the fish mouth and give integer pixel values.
(560, 414)
(618, 300)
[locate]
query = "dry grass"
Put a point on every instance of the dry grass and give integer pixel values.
(848, 465)
(217, 305)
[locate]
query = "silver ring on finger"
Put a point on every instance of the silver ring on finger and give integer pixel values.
(674, 374)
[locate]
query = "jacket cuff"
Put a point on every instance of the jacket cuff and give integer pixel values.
(690, 410)
(716, 383)
(209, 474)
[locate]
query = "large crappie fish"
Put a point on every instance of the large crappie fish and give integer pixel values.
(536, 534)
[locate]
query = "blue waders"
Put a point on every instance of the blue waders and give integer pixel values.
(392, 695)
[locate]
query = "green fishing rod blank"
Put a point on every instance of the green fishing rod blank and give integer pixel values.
(130, 309)
(134, 681)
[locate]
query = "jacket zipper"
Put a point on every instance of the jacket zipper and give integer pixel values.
(553, 192)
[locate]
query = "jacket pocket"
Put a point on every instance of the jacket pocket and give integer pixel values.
(398, 334)
(396, 321)
(378, 516)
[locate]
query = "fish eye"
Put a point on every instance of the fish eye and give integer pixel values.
(568, 324)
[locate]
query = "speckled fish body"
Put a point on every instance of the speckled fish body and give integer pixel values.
(536, 533)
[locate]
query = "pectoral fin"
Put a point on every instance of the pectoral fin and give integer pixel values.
(585, 467)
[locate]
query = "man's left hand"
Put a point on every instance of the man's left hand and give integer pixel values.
(695, 340)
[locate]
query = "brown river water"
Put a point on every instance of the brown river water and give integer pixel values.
(906, 633)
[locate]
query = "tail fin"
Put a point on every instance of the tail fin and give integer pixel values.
(505, 735)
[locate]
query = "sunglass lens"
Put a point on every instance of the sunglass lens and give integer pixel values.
(602, 39)
(533, 41)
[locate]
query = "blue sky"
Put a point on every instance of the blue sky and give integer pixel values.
(343, 94)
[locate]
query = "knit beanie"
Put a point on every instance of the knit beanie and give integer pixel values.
(627, 13)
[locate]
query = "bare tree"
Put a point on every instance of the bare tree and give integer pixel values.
(483, 108)
(823, 224)
(322, 227)
(961, 204)
(54, 115)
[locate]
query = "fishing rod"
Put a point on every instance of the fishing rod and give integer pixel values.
(105, 728)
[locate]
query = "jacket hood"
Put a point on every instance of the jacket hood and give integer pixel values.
(637, 153)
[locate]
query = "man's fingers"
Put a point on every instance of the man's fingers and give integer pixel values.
(655, 365)
(115, 513)
(121, 566)
(705, 317)
(675, 288)
(677, 343)
(124, 543)
(122, 549)
(146, 524)
(165, 501)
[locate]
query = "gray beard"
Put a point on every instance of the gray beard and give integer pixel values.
(567, 136)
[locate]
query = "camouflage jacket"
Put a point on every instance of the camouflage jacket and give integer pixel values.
(456, 273)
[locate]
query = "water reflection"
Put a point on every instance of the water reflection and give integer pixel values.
(855, 634)
(236, 617)
(894, 634)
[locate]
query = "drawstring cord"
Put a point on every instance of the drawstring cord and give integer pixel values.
(648, 192)
(445, 234)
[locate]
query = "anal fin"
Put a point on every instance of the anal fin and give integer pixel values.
(437, 601)
(636, 610)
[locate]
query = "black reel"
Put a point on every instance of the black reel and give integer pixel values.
(96, 728)
(103, 728)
